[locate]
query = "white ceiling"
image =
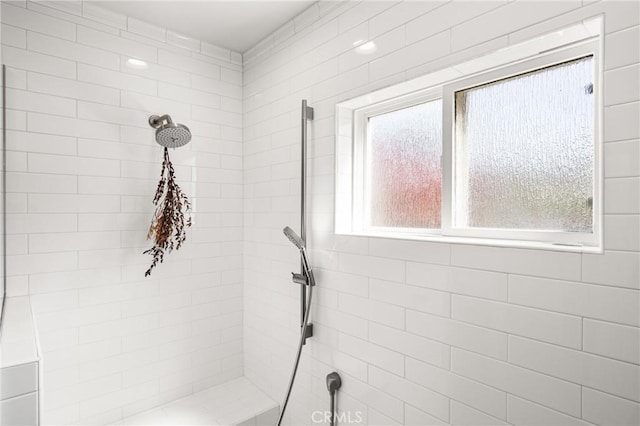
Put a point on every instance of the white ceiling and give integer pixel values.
(234, 24)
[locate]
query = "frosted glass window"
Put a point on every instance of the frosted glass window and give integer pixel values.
(525, 150)
(404, 174)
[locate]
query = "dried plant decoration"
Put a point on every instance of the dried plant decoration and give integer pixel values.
(168, 227)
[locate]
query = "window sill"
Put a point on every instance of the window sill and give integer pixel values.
(446, 239)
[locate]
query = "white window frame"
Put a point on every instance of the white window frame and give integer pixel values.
(451, 204)
(581, 40)
(361, 171)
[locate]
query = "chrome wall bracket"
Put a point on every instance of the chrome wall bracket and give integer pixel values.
(307, 110)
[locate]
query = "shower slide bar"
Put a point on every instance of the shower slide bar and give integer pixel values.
(302, 278)
(305, 277)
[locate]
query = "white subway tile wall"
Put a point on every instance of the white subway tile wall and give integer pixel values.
(82, 170)
(427, 333)
(422, 333)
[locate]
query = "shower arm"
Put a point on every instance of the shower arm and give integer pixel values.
(156, 121)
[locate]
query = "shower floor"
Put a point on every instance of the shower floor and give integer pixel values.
(238, 402)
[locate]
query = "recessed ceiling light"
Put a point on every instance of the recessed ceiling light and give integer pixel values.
(137, 64)
(365, 47)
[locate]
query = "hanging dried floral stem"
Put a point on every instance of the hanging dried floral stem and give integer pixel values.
(168, 225)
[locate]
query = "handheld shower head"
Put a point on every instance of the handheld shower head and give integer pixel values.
(168, 133)
(299, 243)
(293, 237)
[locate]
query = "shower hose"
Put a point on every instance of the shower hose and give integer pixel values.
(300, 344)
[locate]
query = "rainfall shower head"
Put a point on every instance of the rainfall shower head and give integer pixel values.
(168, 133)
(293, 237)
